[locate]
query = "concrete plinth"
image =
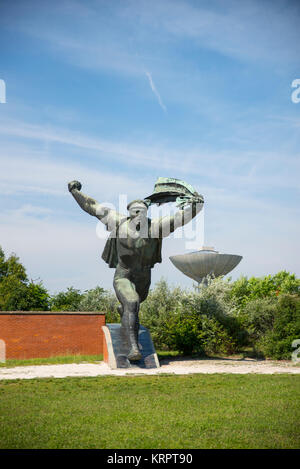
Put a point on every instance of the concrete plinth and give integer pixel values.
(116, 348)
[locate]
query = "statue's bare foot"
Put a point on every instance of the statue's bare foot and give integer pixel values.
(134, 354)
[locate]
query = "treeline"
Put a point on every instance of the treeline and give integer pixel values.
(18, 293)
(260, 316)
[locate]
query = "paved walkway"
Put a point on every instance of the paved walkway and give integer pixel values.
(178, 367)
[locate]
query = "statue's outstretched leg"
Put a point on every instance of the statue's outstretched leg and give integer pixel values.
(129, 299)
(133, 329)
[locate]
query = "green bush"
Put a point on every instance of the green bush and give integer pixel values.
(276, 343)
(257, 317)
(216, 302)
(184, 333)
(157, 311)
(98, 299)
(191, 332)
(199, 322)
(217, 338)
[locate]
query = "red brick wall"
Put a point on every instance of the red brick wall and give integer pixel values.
(42, 334)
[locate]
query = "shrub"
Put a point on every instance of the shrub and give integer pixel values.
(215, 302)
(191, 332)
(184, 333)
(192, 322)
(277, 342)
(257, 317)
(157, 311)
(98, 299)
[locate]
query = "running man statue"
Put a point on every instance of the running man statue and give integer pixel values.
(134, 244)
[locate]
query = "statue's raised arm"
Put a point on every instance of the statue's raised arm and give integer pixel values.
(106, 215)
(163, 226)
(189, 201)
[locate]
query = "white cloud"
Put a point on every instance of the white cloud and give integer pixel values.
(50, 176)
(243, 169)
(235, 29)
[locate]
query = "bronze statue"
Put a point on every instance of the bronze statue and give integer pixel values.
(134, 244)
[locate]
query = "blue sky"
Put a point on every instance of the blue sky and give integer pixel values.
(116, 94)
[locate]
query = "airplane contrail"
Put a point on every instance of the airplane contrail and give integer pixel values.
(153, 87)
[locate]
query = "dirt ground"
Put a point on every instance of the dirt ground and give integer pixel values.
(168, 365)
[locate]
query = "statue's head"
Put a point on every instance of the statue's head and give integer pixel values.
(137, 209)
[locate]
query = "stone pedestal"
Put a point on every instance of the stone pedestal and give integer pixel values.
(116, 348)
(2, 351)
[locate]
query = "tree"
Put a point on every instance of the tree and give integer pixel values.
(244, 290)
(66, 301)
(17, 293)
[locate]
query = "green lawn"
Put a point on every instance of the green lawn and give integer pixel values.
(194, 411)
(60, 360)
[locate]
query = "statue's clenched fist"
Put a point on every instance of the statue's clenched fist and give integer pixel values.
(74, 185)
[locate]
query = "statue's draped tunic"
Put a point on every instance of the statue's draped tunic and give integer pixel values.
(120, 250)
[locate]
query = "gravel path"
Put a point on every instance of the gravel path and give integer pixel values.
(178, 367)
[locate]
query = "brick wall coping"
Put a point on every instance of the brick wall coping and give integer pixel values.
(90, 313)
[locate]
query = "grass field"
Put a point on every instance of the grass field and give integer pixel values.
(60, 360)
(194, 411)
